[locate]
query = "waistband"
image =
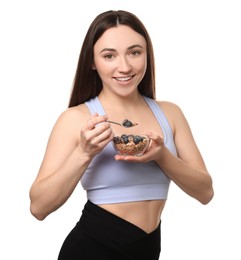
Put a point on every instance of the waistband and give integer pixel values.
(119, 234)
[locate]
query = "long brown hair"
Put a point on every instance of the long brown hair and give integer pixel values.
(87, 83)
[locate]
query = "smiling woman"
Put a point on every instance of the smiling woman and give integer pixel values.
(123, 64)
(126, 194)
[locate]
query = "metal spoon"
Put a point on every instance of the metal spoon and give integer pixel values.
(126, 123)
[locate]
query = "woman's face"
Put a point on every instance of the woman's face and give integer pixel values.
(120, 58)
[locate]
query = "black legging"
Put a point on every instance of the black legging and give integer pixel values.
(101, 235)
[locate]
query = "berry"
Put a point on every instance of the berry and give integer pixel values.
(126, 140)
(127, 123)
(137, 139)
(117, 140)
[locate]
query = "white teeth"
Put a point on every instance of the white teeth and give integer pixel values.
(123, 79)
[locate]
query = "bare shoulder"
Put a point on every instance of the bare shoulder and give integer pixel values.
(70, 121)
(74, 115)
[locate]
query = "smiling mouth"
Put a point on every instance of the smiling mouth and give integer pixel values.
(123, 79)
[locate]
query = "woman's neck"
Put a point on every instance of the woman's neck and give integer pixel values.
(126, 102)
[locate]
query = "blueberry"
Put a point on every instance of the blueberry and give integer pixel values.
(125, 140)
(127, 123)
(117, 140)
(137, 139)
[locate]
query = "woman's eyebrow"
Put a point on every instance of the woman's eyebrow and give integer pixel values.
(129, 48)
(108, 49)
(135, 46)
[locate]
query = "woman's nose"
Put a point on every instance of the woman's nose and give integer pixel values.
(124, 64)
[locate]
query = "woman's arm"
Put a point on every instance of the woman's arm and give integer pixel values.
(70, 149)
(187, 169)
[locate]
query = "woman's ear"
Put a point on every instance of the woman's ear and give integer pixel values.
(93, 66)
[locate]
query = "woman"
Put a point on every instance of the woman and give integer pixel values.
(115, 80)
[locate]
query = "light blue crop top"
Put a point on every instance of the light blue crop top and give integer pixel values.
(108, 181)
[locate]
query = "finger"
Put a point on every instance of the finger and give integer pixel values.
(100, 128)
(94, 120)
(154, 137)
(96, 144)
(99, 135)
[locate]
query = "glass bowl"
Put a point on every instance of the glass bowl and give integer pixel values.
(131, 144)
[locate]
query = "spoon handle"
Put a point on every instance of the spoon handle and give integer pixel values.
(114, 122)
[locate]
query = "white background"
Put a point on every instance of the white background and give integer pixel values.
(198, 66)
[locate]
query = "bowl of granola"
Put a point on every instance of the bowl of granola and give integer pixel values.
(131, 144)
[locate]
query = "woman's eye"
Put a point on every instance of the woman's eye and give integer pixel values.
(135, 53)
(108, 56)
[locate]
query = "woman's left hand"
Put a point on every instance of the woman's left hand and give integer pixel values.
(153, 152)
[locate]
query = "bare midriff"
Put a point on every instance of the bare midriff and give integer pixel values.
(144, 214)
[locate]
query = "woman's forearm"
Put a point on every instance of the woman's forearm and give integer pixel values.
(49, 193)
(194, 181)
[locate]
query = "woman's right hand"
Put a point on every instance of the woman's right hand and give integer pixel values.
(71, 147)
(95, 135)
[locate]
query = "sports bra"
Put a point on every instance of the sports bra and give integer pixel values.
(109, 181)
